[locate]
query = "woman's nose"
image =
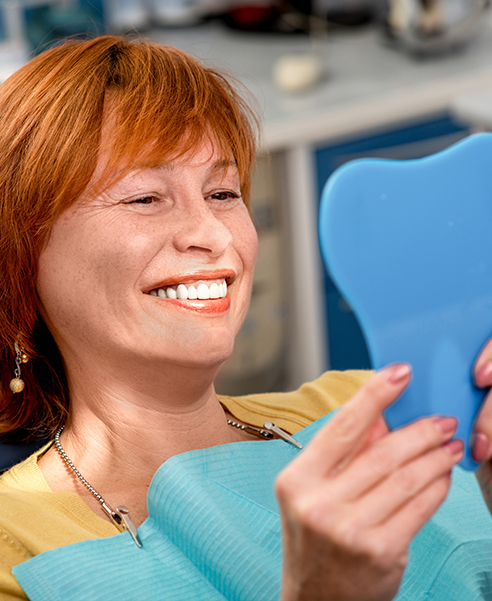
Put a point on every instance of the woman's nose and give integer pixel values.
(200, 229)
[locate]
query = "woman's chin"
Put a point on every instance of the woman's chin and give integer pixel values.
(212, 358)
(208, 354)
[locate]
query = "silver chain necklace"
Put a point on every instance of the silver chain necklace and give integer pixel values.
(121, 516)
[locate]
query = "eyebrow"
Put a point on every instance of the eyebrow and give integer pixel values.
(219, 165)
(223, 165)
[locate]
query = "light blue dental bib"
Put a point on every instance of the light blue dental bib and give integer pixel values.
(213, 533)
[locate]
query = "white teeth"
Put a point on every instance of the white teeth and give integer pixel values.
(202, 292)
(182, 292)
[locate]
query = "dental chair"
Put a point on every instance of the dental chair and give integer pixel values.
(14, 452)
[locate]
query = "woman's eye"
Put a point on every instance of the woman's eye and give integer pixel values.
(146, 200)
(225, 195)
(143, 200)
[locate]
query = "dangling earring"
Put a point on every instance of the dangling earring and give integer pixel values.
(17, 383)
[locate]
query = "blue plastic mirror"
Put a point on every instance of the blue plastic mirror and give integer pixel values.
(409, 245)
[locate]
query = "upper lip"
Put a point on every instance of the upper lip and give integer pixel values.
(188, 279)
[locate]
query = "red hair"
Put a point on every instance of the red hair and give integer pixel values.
(163, 103)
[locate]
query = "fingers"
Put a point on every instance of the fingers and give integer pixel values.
(348, 430)
(481, 447)
(410, 480)
(406, 523)
(352, 502)
(393, 451)
(377, 431)
(392, 536)
(482, 370)
(383, 543)
(482, 374)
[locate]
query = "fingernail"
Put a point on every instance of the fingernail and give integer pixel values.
(446, 424)
(484, 374)
(480, 446)
(397, 373)
(454, 447)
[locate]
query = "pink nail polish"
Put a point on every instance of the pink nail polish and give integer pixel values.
(454, 447)
(480, 446)
(446, 424)
(397, 373)
(484, 374)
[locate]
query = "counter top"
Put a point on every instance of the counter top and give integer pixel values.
(475, 108)
(368, 84)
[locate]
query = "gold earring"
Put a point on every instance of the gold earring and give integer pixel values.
(17, 383)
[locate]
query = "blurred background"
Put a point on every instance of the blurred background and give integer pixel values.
(334, 80)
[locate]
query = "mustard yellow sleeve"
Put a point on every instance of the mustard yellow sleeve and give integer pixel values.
(11, 554)
(34, 519)
(293, 411)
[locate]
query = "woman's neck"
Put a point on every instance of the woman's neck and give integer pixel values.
(119, 434)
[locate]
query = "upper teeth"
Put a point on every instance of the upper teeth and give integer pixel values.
(202, 291)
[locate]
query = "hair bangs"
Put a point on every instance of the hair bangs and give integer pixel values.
(163, 105)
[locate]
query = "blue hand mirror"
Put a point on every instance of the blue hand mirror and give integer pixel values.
(409, 245)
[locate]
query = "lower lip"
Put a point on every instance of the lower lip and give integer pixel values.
(216, 306)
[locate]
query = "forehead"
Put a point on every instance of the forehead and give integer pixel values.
(175, 174)
(205, 154)
(116, 163)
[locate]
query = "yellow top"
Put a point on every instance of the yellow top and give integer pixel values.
(34, 519)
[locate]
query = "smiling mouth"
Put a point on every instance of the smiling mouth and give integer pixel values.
(199, 291)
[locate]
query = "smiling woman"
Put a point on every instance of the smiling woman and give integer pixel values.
(61, 140)
(126, 263)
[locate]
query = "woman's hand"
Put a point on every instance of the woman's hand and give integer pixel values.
(352, 501)
(482, 447)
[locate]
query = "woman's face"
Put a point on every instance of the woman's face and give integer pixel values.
(121, 273)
